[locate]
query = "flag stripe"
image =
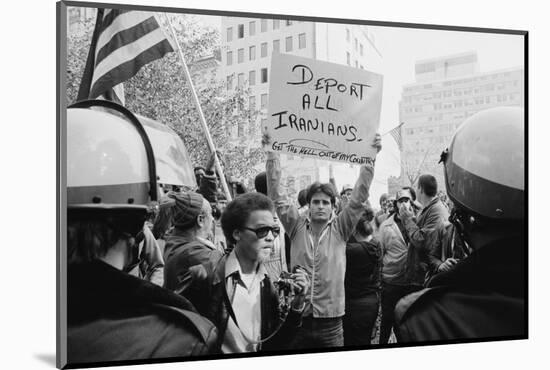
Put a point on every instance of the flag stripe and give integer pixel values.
(123, 41)
(110, 15)
(129, 68)
(127, 53)
(126, 37)
(118, 24)
(396, 134)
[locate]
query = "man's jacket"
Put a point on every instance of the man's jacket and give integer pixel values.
(215, 302)
(420, 233)
(483, 296)
(324, 260)
(182, 253)
(113, 316)
(394, 253)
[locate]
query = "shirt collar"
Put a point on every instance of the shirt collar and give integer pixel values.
(432, 202)
(206, 242)
(233, 266)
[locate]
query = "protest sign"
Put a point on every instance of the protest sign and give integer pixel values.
(323, 110)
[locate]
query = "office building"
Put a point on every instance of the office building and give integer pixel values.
(448, 90)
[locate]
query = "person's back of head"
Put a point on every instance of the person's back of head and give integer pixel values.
(364, 226)
(192, 214)
(428, 185)
(163, 219)
(302, 197)
(260, 183)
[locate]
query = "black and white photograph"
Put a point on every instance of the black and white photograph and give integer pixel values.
(245, 184)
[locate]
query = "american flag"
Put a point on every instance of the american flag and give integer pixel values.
(396, 134)
(123, 41)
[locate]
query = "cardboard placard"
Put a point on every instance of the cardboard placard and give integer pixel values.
(323, 110)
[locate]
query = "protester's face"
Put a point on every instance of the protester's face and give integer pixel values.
(404, 202)
(320, 207)
(347, 193)
(389, 205)
(249, 245)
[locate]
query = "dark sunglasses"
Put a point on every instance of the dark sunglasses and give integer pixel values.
(262, 232)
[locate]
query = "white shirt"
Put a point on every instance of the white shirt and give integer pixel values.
(246, 304)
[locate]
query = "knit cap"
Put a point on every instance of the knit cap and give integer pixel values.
(188, 207)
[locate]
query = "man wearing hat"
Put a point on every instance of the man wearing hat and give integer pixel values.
(188, 244)
(395, 280)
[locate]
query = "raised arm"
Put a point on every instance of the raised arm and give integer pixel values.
(348, 218)
(287, 213)
(420, 236)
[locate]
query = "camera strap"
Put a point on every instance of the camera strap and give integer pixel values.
(229, 305)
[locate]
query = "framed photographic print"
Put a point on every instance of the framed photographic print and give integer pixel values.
(248, 184)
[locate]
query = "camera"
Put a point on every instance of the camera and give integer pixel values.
(285, 281)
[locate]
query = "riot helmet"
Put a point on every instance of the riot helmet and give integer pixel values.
(110, 163)
(485, 168)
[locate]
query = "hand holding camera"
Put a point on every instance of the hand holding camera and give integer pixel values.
(294, 287)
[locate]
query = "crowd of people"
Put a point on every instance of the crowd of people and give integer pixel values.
(196, 275)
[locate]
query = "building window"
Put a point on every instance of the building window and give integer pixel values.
(230, 82)
(263, 25)
(263, 101)
(264, 122)
(240, 80)
(276, 45)
(252, 102)
(276, 24)
(252, 78)
(240, 33)
(229, 34)
(263, 50)
(288, 22)
(240, 55)
(252, 52)
(288, 46)
(348, 59)
(355, 43)
(229, 58)
(302, 41)
(347, 35)
(264, 75)
(361, 49)
(252, 28)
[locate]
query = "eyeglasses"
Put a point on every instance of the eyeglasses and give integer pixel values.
(262, 232)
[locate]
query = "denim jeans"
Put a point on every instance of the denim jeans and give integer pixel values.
(359, 320)
(319, 333)
(391, 294)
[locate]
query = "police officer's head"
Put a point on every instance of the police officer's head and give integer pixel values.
(111, 181)
(484, 175)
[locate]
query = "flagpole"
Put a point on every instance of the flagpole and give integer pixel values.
(201, 115)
